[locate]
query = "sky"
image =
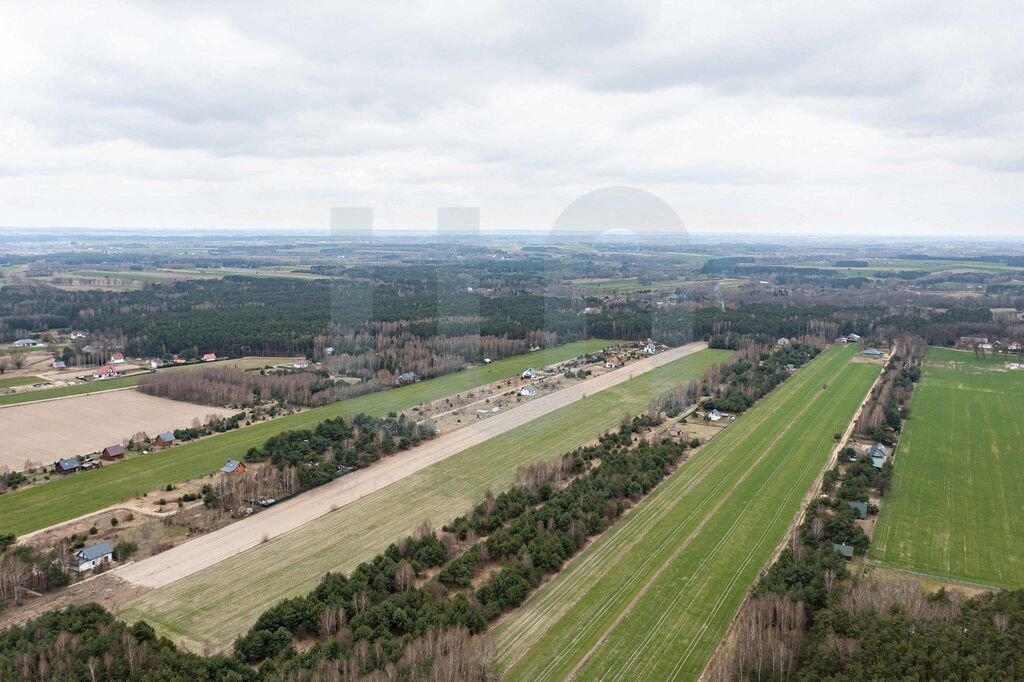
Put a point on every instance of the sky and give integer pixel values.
(769, 117)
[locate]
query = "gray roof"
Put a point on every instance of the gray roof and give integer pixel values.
(92, 552)
(844, 549)
(874, 352)
(878, 450)
(861, 508)
(166, 437)
(69, 463)
(114, 449)
(230, 466)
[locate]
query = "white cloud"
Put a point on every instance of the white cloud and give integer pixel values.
(790, 116)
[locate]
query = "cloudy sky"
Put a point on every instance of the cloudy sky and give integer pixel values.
(767, 116)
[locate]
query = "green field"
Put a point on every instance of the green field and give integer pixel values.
(59, 500)
(958, 486)
(215, 605)
(65, 391)
(11, 382)
(652, 598)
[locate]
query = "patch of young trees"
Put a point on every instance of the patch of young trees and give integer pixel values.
(480, 565)
(232, 387)
(318, 454)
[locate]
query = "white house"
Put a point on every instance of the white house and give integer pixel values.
(650, 348)
(116, 358)
(301, 363)
(528, 374)
(92, 556)
(25, 343)
(714, 415)
(853, 337)
(104, 372)
(528, 391)
(782, 342)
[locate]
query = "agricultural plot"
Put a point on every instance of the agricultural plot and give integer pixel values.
(27, 510)
(653, 597)
(11, 382)
(954, 506)
(214, 606)
(89, 423)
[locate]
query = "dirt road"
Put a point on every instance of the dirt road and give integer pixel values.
(208, 550)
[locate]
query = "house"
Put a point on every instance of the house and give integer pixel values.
(873, 353)
(164, 439)
(91, 556)
(487, 361)
(104, 372)
(233, 467)
(77, 335)
(301, 363)
(406, 378)
(860, 509)
(844, 549)
(650, 348)
(853, 338)
(613, 363)
(528, 391)
(67, 466)
(783, 341)
(26, 343)
(843, 339)
(329, 350)
(154, 363)
(528, 374)
(714, 415)
(209, 357)
(112, 452)
(1014, 347)
(879, 455)
(58, 364)
(116, 358)
(984, 346)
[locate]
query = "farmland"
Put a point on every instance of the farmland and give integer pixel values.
(956, 496)
(652, 598)
(10, 382)
(213, 606)
(88, 423)
(41, 506)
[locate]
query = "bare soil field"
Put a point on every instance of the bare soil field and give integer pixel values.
(46, 431)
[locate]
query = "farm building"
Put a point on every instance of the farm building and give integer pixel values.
(845, 550)
(879, 455)
(91, 556)
(104, 372)
(58, 364)
(406, 378)
(209, 357)
(300, 363)
(860, 509)
(67, 466)
(714, 415)
(233, 467)
(25, 343)
(853, 337)
(164, 439)
(528, 391)
(116, 358)
(873, 353)
(783, 341)
(112, 452)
